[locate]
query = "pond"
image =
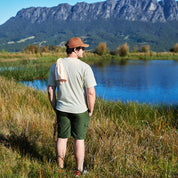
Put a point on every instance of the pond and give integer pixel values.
(153, 82)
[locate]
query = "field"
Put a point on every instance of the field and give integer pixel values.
(123, 140)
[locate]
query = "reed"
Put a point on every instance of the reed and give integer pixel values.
(22, 66)
(123, 140)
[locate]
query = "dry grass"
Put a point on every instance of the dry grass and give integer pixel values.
(122, 50)
(124, 140)
(101, 49)
(175, 48)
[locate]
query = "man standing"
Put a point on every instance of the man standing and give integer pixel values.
(75, 100)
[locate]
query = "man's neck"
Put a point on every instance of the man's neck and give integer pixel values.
(72, 55)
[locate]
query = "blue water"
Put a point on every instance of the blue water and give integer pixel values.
(154, 82)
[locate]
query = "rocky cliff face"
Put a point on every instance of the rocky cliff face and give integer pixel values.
(132, 10)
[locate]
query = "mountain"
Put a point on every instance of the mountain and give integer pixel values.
(136, 22)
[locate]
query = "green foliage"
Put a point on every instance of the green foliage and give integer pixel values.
(3, 51)
(28, 69)
(159, 36)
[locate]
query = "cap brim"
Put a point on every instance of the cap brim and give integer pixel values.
(85, 45)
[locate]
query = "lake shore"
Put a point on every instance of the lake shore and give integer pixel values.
(36, 66)
(123, 140)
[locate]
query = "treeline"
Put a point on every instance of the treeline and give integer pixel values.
(101, 49)
(123, 50)
(35, 49)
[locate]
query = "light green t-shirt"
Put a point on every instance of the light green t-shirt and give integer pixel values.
(71, 96)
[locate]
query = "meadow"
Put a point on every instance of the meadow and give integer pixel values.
(123, 140)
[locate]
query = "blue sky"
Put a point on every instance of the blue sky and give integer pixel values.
(9, 8)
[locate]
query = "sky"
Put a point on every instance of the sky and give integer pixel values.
(9, 8)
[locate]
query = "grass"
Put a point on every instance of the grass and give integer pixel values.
(21, 66)
(123, 140)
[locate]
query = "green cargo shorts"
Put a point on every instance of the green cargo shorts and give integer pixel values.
(75, 125)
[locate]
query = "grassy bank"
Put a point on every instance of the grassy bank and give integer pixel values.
(123, 140)
(21, 66)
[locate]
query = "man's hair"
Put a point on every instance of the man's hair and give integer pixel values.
(70, 50)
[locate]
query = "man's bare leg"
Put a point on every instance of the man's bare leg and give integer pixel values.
(79, 148)
(61, 151)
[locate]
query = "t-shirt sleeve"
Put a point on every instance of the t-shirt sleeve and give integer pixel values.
(51, 78)
(89, 79)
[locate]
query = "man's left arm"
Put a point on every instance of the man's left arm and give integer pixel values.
(52, 96)
(91, 96)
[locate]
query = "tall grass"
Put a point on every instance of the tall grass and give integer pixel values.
(27, 69)
(22, 66)
(123, 140)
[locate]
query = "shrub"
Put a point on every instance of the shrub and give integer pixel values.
(3, 51)
(32, 49)
(101, 49)
(175, 48)
(122, 50)
(135, 48)
(145, 48)
(45, 48)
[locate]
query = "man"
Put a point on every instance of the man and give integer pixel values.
(75, 100)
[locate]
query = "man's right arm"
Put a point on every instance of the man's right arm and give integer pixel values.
(52, 96)
(91, 96)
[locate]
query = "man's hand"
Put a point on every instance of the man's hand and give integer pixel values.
(90, 113)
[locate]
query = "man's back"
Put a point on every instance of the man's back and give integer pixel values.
(71, 94)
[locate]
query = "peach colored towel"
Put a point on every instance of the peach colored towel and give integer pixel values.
(60, 71)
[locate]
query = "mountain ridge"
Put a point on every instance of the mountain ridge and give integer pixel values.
(136, 22)
(132, 10)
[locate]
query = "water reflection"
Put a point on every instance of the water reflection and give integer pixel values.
(139, 81)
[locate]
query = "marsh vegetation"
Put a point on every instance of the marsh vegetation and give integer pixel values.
(123, 140)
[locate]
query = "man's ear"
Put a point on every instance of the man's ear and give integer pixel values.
(75, 50)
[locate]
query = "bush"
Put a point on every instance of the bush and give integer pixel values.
(122, 50)
(145, 48)
(175, 48)
(3, 51)
(32, 49)
(135, 48)
(45, 48)
(101, 49)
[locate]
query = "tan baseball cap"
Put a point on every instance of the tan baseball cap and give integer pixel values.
(76, 42)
